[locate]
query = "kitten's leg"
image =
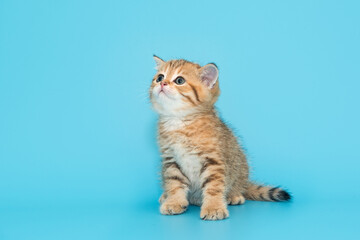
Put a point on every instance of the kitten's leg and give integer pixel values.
(235, 195)
(176, 186)
(214, 206)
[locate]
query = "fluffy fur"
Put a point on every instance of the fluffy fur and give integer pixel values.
(202, 162)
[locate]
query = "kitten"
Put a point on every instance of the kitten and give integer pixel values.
(202, 162)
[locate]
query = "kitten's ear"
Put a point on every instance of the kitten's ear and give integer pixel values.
(158, 62)
(209, 74)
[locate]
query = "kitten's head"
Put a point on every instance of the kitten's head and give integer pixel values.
(180, 87)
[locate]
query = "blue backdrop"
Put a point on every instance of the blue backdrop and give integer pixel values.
(78, 154)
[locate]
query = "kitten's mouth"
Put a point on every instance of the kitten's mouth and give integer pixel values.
(162, 91)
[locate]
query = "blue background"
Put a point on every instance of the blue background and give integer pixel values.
(78, 154)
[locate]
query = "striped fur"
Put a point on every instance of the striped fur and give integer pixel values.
(203, 163)
(266, 193)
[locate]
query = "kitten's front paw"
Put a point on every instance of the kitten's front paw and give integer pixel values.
(214, 212)
(162, 198)
(173, 207)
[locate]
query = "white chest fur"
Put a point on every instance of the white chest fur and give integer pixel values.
(171, 124)
(190, 165)
(186, 157)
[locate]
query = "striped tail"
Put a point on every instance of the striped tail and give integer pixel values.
(266, 193)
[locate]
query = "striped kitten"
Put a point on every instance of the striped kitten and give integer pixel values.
(202, 162)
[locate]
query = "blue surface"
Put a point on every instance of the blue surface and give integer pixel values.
(78, 155)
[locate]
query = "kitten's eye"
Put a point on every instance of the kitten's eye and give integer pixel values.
(160, 78)
(179, 81)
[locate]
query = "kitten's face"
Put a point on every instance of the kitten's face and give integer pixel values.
(181, 87)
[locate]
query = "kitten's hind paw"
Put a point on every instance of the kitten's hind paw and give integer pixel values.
(236, 200)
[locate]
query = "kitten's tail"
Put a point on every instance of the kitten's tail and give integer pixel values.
(266, 193)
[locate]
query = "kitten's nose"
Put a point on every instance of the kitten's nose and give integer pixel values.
(163, 83)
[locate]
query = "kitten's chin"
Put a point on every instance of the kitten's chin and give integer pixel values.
(166, 104)
(169, 110)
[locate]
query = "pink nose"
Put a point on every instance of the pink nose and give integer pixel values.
(163, 84)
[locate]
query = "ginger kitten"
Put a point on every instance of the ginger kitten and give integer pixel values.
(202, 162)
